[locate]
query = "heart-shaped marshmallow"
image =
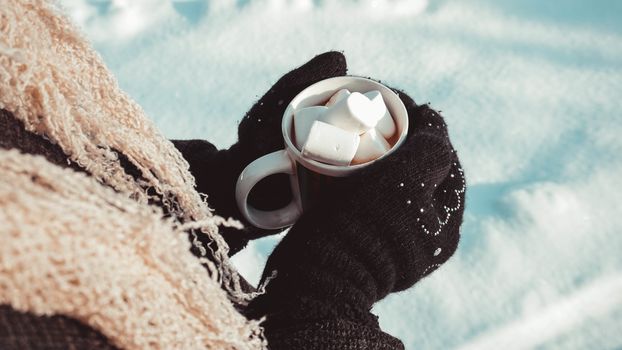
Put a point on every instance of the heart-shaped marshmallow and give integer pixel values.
(355, 113)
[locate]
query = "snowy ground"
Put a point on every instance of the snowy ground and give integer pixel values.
(532, 95)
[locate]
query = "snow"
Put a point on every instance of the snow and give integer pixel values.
(531, 93)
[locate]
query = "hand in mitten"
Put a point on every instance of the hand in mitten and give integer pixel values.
(259, 133)
(379, 232)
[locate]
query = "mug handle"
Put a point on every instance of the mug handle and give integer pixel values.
(272, 163)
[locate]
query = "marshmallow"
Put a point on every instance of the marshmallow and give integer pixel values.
(386, 125)
(372, 146)
(303, 120)
(338, 96)
(354, 113)
(330, 144)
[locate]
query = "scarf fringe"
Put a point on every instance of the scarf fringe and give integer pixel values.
(59, 87)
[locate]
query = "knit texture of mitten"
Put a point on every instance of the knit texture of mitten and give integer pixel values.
(381, 231)
(259, 133)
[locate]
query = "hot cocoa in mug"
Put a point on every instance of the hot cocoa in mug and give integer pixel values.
(309, 168)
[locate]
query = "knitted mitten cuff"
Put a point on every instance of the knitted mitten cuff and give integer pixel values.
(336, 334)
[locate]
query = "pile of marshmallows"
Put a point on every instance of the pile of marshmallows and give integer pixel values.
(352, 128)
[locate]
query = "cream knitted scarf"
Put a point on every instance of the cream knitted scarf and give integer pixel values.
(71, 246)
(57, 85)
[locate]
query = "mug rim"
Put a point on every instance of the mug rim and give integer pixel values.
(339, 82)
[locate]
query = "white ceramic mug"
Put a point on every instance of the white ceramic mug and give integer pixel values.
(306, 175)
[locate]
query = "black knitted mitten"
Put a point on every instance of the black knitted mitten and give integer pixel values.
(259, 133)
(381, 231)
